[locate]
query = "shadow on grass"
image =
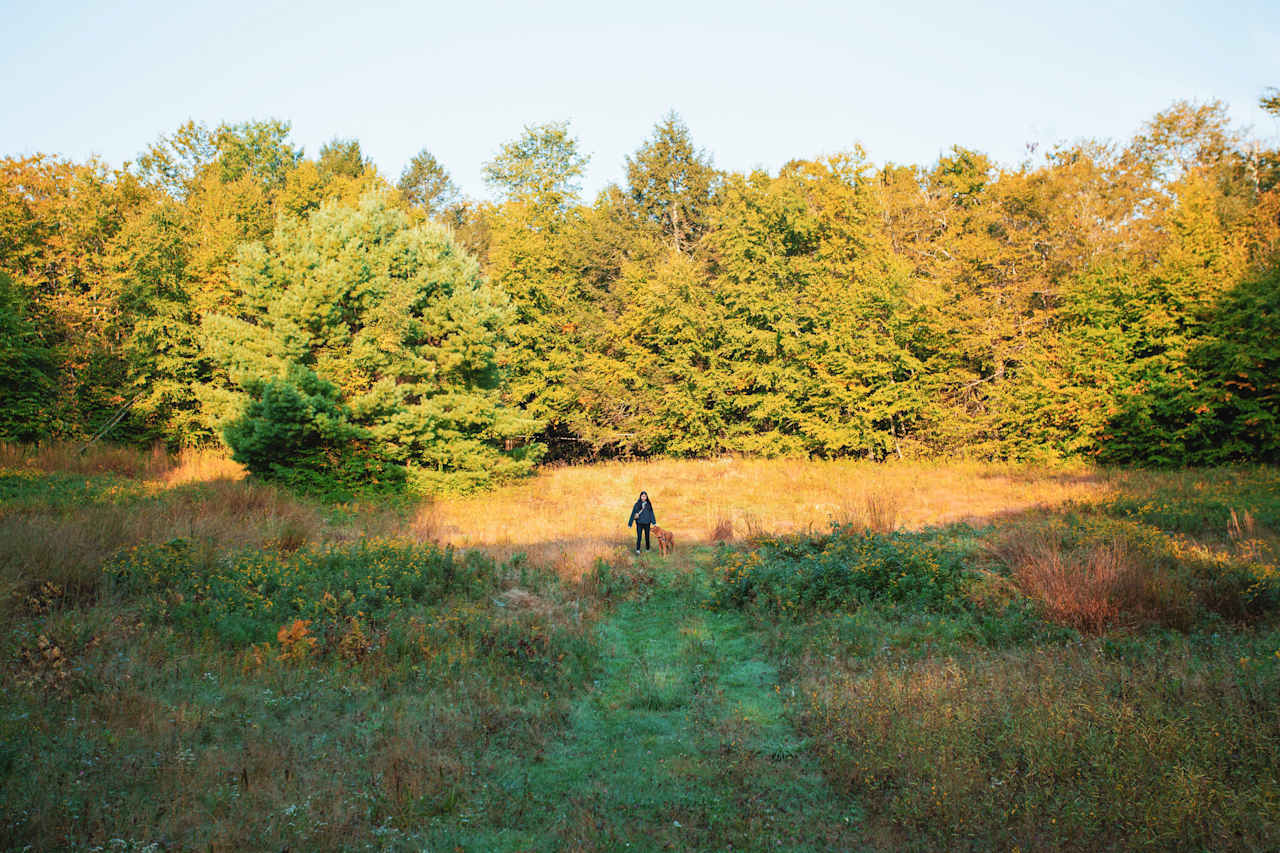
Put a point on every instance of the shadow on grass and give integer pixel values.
(683, 742)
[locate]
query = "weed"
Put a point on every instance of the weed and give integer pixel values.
(1058, 749)
(295, 640)
(882, 511)
(840, 571)
(44, 666)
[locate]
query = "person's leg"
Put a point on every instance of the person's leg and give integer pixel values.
(646, 537)
(638, 527)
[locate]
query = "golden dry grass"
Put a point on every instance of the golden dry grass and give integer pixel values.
(201, 496)
(567, 517)
(201, 466)
(156, 466)
(570, 516)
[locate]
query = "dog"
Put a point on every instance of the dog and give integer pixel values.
(665, 540)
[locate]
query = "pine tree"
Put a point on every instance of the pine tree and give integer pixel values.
(670, 184)
(295, 429)
(532, 260)
(426, 185)
(395, 315)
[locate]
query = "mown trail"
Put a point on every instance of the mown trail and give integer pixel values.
(681, 744)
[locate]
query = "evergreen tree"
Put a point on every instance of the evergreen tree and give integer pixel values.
(670, 184)
(426, 185)
(1170, 307)
(532, 259)
(668, 392)
(394, 314)
(1231, 406)
(815, 320)
(161, 348)
(296, 429)
(1094, 301)
(341, 158)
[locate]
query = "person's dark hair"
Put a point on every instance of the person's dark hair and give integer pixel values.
(643, 494)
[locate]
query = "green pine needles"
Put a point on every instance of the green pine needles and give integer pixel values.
(362, 349)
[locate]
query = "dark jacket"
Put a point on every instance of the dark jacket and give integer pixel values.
(642, 513)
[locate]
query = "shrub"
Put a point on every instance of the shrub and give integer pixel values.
(1092, 572)
(841, 571)
(419, 608)
(296, 430)
(244, 598)
(1089, 585)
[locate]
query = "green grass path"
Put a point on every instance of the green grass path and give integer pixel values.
(681, 744)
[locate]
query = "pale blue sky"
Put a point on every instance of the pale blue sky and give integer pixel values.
(758, 83)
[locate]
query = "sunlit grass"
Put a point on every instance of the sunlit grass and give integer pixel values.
(574, 514)
(156, 466)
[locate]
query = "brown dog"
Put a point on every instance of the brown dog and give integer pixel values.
(665, 539)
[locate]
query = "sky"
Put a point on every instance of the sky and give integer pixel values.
(757, 83)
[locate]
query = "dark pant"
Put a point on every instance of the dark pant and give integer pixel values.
(642, 528)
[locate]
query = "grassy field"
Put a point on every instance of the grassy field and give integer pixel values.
(838, 655)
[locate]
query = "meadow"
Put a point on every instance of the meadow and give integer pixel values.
(838, 655)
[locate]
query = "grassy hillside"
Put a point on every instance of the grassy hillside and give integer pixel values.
(975, 657)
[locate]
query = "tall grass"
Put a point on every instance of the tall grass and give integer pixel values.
(236, 630)
(63, 515)
(326, 699)
(1093, 572)
(1032, 696)
(155, 464)
(1077, 747)
(576, 514)
(1090, 586)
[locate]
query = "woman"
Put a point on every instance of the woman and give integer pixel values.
(642, 515)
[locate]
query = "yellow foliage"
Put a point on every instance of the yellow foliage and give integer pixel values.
(296, 640)
(354, 644)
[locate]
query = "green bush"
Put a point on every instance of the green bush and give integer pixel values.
(422, 609)
(296, 430)
(244, 598)
(842, 571)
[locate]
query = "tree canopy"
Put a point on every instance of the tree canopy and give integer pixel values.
(397, 317)
(1102, 299)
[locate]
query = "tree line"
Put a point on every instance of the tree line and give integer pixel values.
(1115, 301)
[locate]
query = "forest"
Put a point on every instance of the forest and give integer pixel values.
(969, 470)
(1109, 301)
